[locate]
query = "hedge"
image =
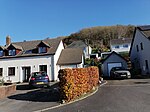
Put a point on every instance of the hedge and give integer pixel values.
(77, 81)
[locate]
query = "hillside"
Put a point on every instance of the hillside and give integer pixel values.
(99, 37)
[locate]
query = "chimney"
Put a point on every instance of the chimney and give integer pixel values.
(8, 40)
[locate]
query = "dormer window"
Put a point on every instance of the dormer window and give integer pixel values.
(1, 53)
(42, 49)
(12, 52)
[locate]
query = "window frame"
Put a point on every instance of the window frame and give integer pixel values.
(117, 46)
(146, 64)
(11, 71)
(141, 44)
(125, 45)
(12, 52)
(41, 68)
(42, 49)
(1, 53)
(1, 72)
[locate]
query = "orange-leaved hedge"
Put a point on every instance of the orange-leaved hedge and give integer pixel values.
(77, 81)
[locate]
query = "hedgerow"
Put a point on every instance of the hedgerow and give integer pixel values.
(76, 82)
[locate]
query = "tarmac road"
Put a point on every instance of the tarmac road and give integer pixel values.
(131, 95)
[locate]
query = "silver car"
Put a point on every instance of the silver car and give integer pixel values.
(120, 72)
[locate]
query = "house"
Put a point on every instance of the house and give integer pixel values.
(104, 54)
(71, 58)
(19, 59)
(87, 50)
(139, 52)
(120, 45)
(112, 60)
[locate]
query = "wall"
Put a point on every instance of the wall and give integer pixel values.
(18, 63)
(138, 58)
(121, 48)
(55, 58)
(73, 65)
(7, 90)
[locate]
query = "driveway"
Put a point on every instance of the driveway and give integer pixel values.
(131, 95)
(28, 100)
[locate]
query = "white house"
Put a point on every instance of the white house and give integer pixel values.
(120, 45)
(139, 52)
(71, 58)
(19, 59)
(87, 50)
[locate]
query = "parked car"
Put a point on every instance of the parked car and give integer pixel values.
(39, 79)
(120, 72)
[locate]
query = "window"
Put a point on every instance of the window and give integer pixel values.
(12, 52)
(43, 68)
(137, 48)
(141, 45)
(146, 64)
(1, 71)
(11, 71)
(42, 49)
(28, 52)
(1, 52)
(125, 45)
(117, 47)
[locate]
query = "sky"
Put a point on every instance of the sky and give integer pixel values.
(39, 19)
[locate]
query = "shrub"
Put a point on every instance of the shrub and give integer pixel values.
(75, 82)
(1, 82)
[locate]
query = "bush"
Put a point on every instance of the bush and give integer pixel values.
(76, 82)
(1, 82)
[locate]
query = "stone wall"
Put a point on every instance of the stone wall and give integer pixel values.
(7, 90)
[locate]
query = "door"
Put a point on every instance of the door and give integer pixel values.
(111, 65)
(26, 73)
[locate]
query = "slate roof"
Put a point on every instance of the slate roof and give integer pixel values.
(30, 45)
(112, 54)
(70, 56)
(145, 30)
(17, 46)
(77, 44)
(120, 41)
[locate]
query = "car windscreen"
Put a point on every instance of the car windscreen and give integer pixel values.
(38, 74)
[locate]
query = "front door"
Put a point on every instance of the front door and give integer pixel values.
(26, 73)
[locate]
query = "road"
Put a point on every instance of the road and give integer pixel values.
(117, 96)
(131, 95)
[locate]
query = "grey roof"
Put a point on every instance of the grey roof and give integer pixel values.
(70, 56)
(77, 44)
(17, 46)
(145, 30)
(112, 54)
(120, 41)
(30, 45)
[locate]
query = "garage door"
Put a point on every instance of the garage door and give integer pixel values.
(111, 65)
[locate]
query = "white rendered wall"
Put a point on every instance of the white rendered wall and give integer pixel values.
(18, 63)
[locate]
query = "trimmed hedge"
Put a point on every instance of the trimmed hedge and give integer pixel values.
(76, 82)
